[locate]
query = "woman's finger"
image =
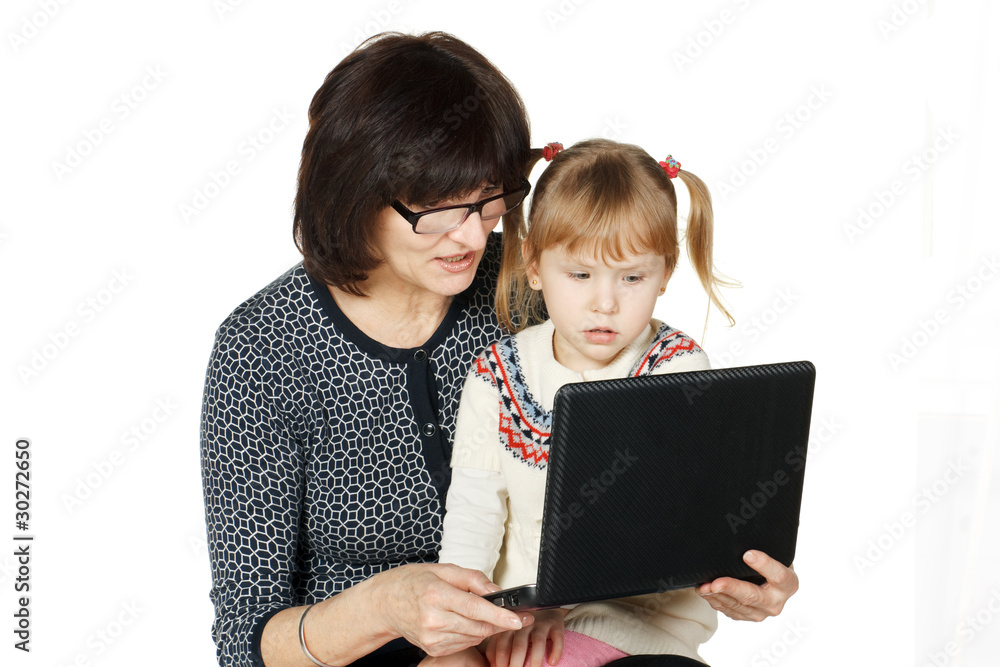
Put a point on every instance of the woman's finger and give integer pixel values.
(473, 607)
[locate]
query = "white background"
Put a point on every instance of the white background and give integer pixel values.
(799, 116)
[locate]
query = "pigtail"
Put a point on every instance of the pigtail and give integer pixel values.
(698, 238)
(517, 305)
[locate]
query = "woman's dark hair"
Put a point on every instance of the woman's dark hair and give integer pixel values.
(416, 118)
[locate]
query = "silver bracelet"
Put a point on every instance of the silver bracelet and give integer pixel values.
(302, 639)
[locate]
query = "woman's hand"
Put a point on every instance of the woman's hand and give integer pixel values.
(509, 649)
(438, 607)
(744, 601)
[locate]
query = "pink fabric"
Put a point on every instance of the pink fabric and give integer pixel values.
(583, 651)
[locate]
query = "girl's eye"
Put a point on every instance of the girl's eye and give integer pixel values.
(632, 280)
(579, 275)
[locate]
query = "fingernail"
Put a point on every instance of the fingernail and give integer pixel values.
(750, 557)
(515, 623)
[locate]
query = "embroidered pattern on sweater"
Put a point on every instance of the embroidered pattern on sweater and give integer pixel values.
(668, 344)
(525, 427)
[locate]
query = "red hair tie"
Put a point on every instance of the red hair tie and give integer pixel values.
(671, 166)
(550, 150)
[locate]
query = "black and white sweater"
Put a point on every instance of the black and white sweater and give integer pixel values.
(325, 453)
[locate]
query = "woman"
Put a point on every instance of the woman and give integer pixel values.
(331, 394)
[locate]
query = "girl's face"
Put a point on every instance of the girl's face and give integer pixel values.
(441, 264)
(598, 306)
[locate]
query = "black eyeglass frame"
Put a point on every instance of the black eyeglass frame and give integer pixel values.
(413, 217)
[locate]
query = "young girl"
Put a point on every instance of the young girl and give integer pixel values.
(599, 248)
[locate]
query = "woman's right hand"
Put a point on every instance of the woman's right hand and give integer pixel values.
(438, 608)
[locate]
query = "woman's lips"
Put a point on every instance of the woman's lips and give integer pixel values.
(456, 263)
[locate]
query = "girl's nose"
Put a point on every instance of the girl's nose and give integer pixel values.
(605, 301)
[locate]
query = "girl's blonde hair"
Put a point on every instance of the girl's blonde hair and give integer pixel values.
(606, 199)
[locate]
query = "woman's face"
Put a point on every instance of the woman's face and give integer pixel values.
(442, 264)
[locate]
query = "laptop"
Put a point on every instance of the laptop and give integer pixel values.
(663, 482)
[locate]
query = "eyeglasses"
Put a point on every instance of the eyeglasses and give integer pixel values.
(447, 218)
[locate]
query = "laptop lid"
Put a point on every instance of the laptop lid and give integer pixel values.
(664, 481)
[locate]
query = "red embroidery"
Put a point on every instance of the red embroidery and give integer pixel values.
(515, 442)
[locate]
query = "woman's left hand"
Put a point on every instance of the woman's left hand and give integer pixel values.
(744, 601)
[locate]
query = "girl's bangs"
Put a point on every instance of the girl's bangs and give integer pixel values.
(584, 229)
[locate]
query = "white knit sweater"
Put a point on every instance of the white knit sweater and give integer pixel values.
(494, 506)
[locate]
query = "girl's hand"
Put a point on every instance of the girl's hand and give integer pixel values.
(437, 607)
(470, 657)
(743, 601)
(509, 649)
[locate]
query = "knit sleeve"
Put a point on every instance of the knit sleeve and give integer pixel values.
(475, 512)
(252, 474)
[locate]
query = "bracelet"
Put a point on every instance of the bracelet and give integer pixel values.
(302, 639)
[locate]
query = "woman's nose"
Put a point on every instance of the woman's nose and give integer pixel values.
(471, 233)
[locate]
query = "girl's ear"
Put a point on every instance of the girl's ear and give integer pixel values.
(534, 280)
(666, 279)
